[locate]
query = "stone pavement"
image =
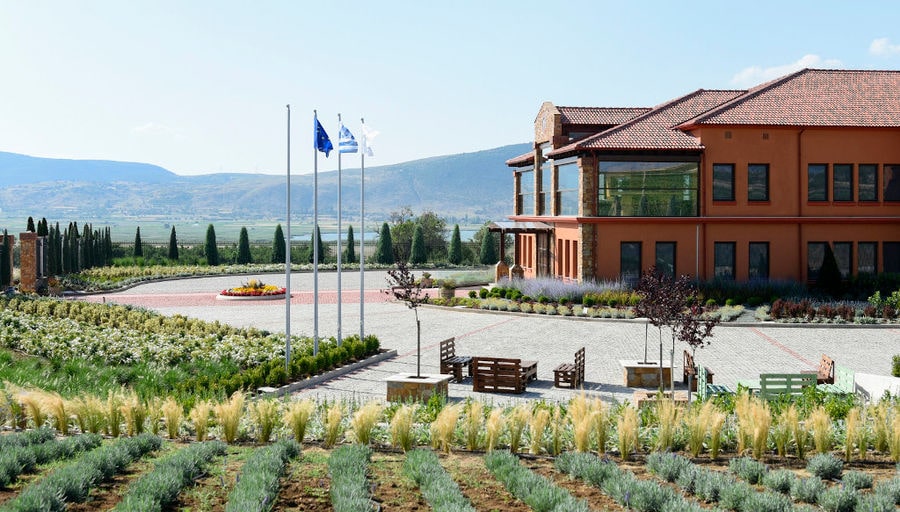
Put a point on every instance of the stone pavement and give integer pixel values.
(735, 352)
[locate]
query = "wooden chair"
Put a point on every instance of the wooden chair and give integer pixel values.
(452, 363)
(825, 372)
(504, 375)
(691, 370)
(570, 375)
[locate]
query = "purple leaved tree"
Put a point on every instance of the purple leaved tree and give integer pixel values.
(663, 298)
(404, 287)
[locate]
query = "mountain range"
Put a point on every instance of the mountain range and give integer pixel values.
(468, 188)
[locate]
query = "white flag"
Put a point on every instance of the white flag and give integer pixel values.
(367, 136)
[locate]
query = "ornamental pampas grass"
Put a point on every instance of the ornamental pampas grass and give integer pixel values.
(364, 421)
(332, 424)
(172, 412)
(536, 427)
(297, 417)
(472, 424)
(200, 417)
(628, 431)
(444, 426)
(401, 427)
(228, 415)
(493, 428)
(266, 415)
(821, 427)
(517, 421)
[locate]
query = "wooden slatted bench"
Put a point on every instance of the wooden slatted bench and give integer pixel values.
(570, 375)
(503, 375)
(825, 372)
(452, 363)
(691, 370)
(774, 384)
(844, 382)
(705, 387)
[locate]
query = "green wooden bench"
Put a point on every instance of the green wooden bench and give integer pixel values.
(772, 385)
(844, 381)
(705, 387)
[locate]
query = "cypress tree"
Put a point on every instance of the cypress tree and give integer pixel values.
(384, 251)
(138, 250)
(5, 267)
(488, 255)
(316, 238)
(42, 227)
(87, 247)
(278, 245)
(173, 245)
(243, 256)
(350, 253)
(210, 249)
(417, 253)
(455, 255)
(30, 227)
(107, 245)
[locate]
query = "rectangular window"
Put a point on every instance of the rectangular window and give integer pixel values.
(868, 182)
(723, 182)
(647, 189)
(724, 260)
(665, 258)
(842, 176)
(568, 180)
(758, 182)
(891, 186)
(817, 182)
(630, 255)
(891, 256)
(815, 255)
(546, 191)
(526, 192)
(843, 254)
(867, 257)
(758, 260)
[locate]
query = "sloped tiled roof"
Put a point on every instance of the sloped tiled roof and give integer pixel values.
(521, 160)
(598, 115)
(815, 97)
(654, 130)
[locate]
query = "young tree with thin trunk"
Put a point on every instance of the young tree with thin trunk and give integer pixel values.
(662, 301)
(404, 287)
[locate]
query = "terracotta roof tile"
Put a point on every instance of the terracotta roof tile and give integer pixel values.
(815, 97)
(654, 130)
(521, 160)
(599, 115)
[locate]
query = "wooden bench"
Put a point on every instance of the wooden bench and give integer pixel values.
(452, 363)
(500, 374)
(825, 372)
(691, 370)
(844, 382)
(772, 385)
(705, 387)
(570, 375)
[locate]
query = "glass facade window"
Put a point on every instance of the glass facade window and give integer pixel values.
(724, 260)
(842, 182)
(758, 260)
(648, 189)
(630, 256)
(758, 182)
(568, 188)
(817, 182)
(868, 182)
(891, 257)
(843, 254)
(891, 187)
(815, 255)
(665, 258)
(526, 192)
(723, 182)
(867, 257)
(546, 190)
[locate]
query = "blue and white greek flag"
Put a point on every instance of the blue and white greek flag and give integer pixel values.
(346, 141)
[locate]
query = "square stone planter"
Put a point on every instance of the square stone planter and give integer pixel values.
(645, 375)
(406, 386)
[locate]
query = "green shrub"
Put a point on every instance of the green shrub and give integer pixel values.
(667, 466)
(825, 466)
(807, 490)
(895, 366)
(734, 494)
(767, 502)
(857, 480)
(780, 480)
(839, 499)
(748, 469)
(889, 488)
(875, 503)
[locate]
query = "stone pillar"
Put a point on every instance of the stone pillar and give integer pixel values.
(516, 272)
(588, 235)
(501, 270)
(32, 262)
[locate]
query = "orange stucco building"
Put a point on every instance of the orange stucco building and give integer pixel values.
(735, 184)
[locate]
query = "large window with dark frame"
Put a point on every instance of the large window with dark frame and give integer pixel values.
(568, 181)
(866, 257)
(630, 261)
(891, 257)
(843, 255)
(817, 182)
(723, 260)
(758, 182)
(723, 182)
(815, 255)
(648, 189)
(544, 194)
(868, 182)
(758, 261)
(842, 182)
(665, 258)
(526, 192)
(891, 185)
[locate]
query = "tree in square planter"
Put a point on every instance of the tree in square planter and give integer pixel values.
(404, 287)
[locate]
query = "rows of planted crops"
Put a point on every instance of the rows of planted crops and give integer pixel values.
(575, 454)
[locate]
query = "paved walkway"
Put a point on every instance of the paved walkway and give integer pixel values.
(735, 351)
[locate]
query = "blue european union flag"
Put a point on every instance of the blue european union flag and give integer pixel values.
(321, 140)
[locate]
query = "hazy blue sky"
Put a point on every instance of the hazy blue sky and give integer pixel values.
(201, 86)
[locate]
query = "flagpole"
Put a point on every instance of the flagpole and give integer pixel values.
(287, 256)
(339, 235)
(362, 234)
(315, 242)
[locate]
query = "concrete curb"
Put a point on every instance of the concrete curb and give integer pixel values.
(318, 379)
